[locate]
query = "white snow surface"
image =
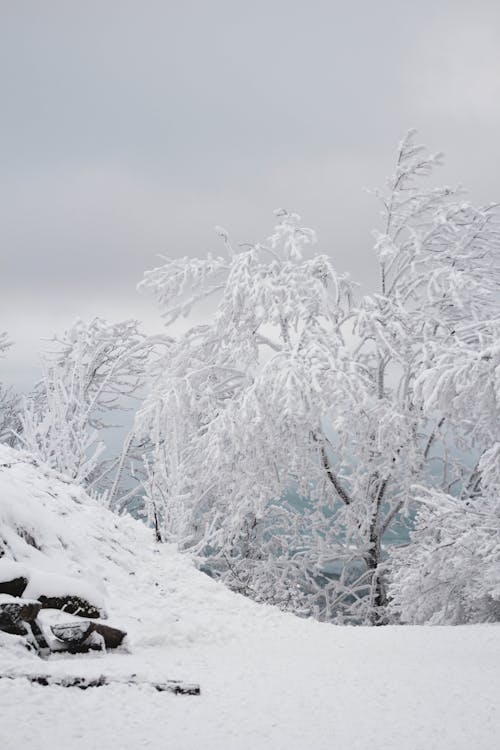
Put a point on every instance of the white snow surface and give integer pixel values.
(52, 585)
(10, 570)
(269, 680)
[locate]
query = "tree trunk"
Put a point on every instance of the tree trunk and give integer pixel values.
(378, 595)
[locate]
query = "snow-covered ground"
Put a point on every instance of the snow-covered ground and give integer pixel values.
(268, 679)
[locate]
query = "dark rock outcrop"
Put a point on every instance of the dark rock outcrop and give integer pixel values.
(73, 605)
(14, 587)
(15, 613)
(113, 637)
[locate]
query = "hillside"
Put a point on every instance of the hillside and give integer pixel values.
(268, 679)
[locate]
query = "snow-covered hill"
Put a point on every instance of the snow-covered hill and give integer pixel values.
(268, 679)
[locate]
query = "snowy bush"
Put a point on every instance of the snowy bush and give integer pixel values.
(449, 574)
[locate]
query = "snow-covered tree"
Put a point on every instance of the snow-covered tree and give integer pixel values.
(88, 373)
(294, 384)
(439, 273)
(449, 573)
(9, 403)
(236, 413)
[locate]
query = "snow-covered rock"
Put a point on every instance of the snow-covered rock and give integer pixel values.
(13, 577)
(10, 570)
(16, 612)
(73, 595)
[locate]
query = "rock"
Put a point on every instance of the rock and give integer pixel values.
(77, 596)
(83, 636)
(113, 637)
(72, 633)
(74, 605)
(13, 577)
(11, 624)
(14, 587)
(14, 613)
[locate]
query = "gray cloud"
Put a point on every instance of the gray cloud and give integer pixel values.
(129, 129)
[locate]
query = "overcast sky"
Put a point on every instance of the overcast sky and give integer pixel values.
(130, 129)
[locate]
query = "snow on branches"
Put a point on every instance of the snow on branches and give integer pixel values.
(294, 384)
(236, 410)
(449, 574)
(9, 402)
(87, 373)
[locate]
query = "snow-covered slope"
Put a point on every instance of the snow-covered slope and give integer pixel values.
(269, 680)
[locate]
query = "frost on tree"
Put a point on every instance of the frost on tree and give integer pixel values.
(88, 373)
(294, 383)
(236, 413)
(449, 573)
(9, 403)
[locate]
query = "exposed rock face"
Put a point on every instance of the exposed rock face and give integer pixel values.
(14, 587)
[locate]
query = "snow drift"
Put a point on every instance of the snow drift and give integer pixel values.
(268, 679)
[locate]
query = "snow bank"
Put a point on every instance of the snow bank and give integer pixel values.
(10, 570)
(52, 585)
(48, 526)
(269, 680)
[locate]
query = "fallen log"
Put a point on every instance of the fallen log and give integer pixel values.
(83, 683)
